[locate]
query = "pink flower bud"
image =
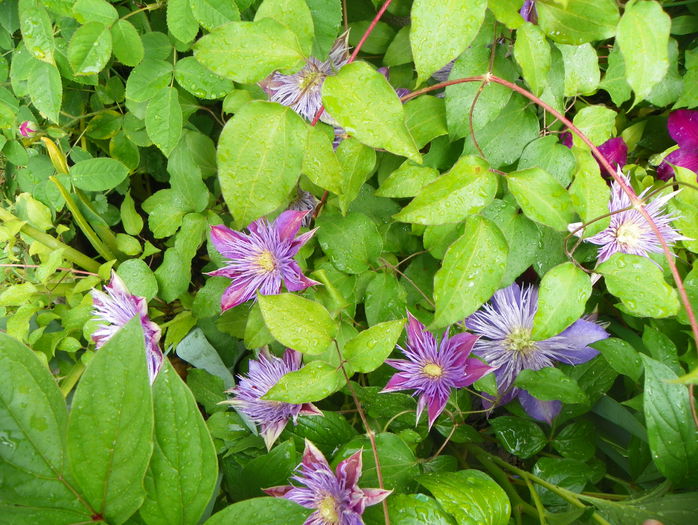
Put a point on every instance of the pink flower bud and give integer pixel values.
(27, 128)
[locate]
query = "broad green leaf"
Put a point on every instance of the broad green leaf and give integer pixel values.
(37, 30)
(542, 198)
(582, 74)
(470, 496)
(521, 437)
(90, 48)
(465, 190)
(550, 384)
(184, 469)
(148, 79)
(562, 299)
(313, 382)
(666, 508)
(368, 350)
(366, 106)
(292, 14)
(268, 470)
(589, 192)
(578, 21)
(643, 38)
(320, 163)
(407, 180)
(425, 118)
(298, 323)
(173, 275)
(357, 162)
(246, 52)
(548, 154)
(181, 21)
(598, 123)
(685, 206)
(661, 348)
(165, 209)
(672, 434)
(352, 243)
(199, 81)
(139, 278)
(213, 13)
(621, 356)
(576, 440)
(640, 286)
(471, 271)
(94, 11)
(45, 89)
(98, 174)
(532, 52)
(614, 81)
(34, 421)
(409, 509)
(441, 31)
(327, 433)
(260, 164)
(127, 43)
(260, 511)
(110, 428)
(689, 96)
(196, 350)
(163, 119)
(568, 474)
(385, 299)
(327, 18)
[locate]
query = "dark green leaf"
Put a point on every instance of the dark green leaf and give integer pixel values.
(352, 242)
(550, 384)
(260, 511)
(521, 437)
(98, 174)
(90, 48)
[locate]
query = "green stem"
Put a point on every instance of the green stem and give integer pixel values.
(70, 254)
(71, 379)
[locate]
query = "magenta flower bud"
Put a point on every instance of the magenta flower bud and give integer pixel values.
(683, 128)
(28, 128)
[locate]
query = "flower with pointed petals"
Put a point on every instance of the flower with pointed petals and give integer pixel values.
(302, 91)
(335, 496)
(528, 12)
(117, 307)
(614, 150)
(261, 260)
(628, 231)
(432, 370)
(505, 325)
(683, 128)
(271, 416)
(27, 129)
(306, 202)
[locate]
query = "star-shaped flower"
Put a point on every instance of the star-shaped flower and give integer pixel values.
(261, 260)
(335, 496)
(683, 128)
(433, 370)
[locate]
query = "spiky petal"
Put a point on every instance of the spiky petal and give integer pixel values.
(505, 325)
(261, 260)
(27, 129)
(335, 496)
(263, 374)
(117, 307)
(433, 370)
(305, 202)
(683, 128)
(528, 12)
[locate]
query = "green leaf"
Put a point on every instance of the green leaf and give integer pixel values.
(409, 509)
(163, 119)
(368, 350)
(550, 384)
(98, 174)
(148, 79)
(598, 123)
(566, 473)
(101, 11)
(441, 31)
(268, 470)
(578, 21)
(90, 48)
(621, 356)
(181, 21)
(246, 52)
(562, 299)
(470, 496)
(298, 323)
(507, 12)
(184, 469)
(37, 30)
(465, 190)
(589, 192)
(614, 81)
(127, 43)
(173, 275)
(542, 198)
(200, 81)
(213, 13)
(548, 154)
(357, 162)
(34, 421)
(471, 271)
(259, 165)
(327, 433)
(320, 164)
(327, 18)
(532, 52)
(640, 286)
(673, 437)
(111, 426)
(139, 278)
(407, 180)
(292, 14)
(260, 511)
(425, 118)
(689, 96)
(385, 299)
(352, 243)
(582, 74)
(666, 508)
(521, 437)
(45, 89)
(643, 38)
(576, 441)
(364, 104)
(314, 382)
(196, 350)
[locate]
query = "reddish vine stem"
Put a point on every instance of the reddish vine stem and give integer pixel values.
(627, 189)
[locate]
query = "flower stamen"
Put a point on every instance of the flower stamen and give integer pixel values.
(266, 261)
(433, 371)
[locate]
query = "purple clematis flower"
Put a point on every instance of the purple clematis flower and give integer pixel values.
(302, 91)
(505, 325)
(261, 260)
(432, 370)
(683, 128)
(628, 231)
(335, 496)
(528, 12)
(271, 416)
(27, 129)
(117, 307)
(614, 150)
(304, 202)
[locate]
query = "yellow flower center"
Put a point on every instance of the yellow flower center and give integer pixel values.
(266, 261)
(432, 370)
(629, 234)
(519, 340)
(328, 510)
(310, 80)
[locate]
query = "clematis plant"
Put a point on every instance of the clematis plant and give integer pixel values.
(614, 150)
(432, 370)
(505, 324)
(261, 260)
(271, 416)
(683, 128)
(335, 496)
(27, 129)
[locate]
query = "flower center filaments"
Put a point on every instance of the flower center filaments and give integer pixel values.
(519, 340)
(629, 234)
(266, 261)
(327, 509)
(432, 371)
